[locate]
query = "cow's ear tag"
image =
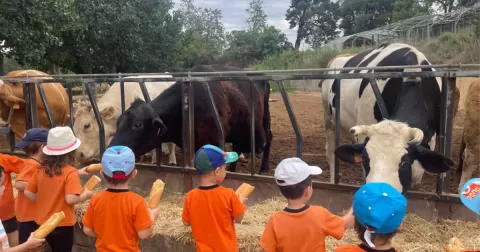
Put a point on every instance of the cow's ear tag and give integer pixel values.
(357, 158)
(158, 132)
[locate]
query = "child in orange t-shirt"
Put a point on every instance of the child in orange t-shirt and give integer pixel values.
(211, 209)
(56, 187)
(11, 164)
(379, 210)
(32, 143)
(116, 216)
(300, 227)
(31, 243)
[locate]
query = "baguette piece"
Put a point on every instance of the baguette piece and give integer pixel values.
(454, 245)
(93, 168)
(49, 225)
(92, 183)
(155, 194)
(245, 190)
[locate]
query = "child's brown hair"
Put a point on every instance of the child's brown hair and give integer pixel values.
(379, 239)
(53, 165)
(33, 148)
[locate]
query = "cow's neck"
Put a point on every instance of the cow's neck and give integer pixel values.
(412, 108)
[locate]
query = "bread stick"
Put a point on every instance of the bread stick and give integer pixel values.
(155, 194)
(245, 190)
(92, 183)
(93, 168)
(49, 225)
(454, 245)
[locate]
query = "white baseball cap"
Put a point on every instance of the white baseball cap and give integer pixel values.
(294, 171)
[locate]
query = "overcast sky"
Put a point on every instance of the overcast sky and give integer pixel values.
(234, 14)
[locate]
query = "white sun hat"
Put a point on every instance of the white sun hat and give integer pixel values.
(61, 140)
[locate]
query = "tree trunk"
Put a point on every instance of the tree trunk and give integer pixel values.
(2, 69)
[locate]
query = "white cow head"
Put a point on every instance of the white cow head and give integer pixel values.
(86, 129)
(389, 151)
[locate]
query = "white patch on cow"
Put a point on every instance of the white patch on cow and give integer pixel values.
(112, 99)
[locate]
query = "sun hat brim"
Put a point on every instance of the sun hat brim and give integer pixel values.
(51, 152)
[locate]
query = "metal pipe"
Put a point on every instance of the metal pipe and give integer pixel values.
(122, 94)
(379, 98)
(218, 123)
(449, 117)
(293, 119)
(282, 77)
(184, 122)
(336, 174)
(70, 103)
(145, 92)
(450, 66)
(45, 104)
(101, 129)
(190, 124)
(443, 124)
(251, 106)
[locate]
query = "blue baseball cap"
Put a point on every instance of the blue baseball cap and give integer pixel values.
(118, 159)
(33, 135)
(380, 206)
(210, 157)
(470, 195)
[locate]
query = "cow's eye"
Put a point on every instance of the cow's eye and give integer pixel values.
(86, 126)
(138, 125)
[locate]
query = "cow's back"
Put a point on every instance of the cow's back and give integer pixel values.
(471, 126)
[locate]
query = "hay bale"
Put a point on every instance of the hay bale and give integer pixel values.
(417, 235)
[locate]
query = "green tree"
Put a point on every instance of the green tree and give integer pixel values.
(257, 19)
(404, 9)
(316, 21)
(364, 15)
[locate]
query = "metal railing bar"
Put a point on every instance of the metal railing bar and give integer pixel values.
(219, 125)
(101, 129)
(251, 106)
(122, 94)
(293, 119)
(336, 173)
(144, 91)
(459, 66)
(70, 105)
(45, 104)
(379, 98)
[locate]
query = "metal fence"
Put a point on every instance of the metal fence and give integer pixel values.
(448, 74)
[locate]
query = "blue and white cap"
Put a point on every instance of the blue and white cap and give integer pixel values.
(470, 195)
(118, 159)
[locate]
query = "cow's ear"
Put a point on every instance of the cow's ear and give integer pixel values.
(350, 153)
(159, 126)
(108, 112)
(432, 161)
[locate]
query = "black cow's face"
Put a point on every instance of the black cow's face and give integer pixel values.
(388, 154)
(139, 128)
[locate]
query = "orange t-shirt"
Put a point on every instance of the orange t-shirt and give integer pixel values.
(361, 248)
(24, 207)
(116, 216)
(302, 229)
(211, 212)
(11, 164)
(51, 193)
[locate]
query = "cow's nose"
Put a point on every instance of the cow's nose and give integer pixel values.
(82, 155)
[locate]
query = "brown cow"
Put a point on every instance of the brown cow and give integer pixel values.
(470, 147)
(11, 94)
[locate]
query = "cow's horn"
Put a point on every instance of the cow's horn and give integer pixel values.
(416, 135)
(360, 129)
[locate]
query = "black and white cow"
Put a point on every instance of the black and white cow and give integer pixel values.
(398, 150)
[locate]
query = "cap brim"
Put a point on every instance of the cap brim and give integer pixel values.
(315, 170)
(231, 157)
(22, 144)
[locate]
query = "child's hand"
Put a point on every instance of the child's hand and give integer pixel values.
(83, 171)
(88, 194)
(242, 199)
(33, 242)
(154, 213)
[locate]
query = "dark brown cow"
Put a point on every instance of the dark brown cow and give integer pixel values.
(144, 126)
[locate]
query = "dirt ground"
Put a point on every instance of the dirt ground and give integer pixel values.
(308, 110)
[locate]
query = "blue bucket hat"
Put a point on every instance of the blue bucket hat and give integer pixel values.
(33, 135)
(210, 157)
(118, 159)
(381, 206)
(470, 195)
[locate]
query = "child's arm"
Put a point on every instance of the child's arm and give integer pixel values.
(11, 163)
(30, 195)
(146, 233)
(349, 219)
(73, 199)
(25, 175)
(73, 189)
(239, 208)
(21, 185)
(186, 212)
(88, 231)
(31, 243)
(31, 189)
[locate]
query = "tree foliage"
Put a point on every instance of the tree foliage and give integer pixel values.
(404, 9)
(364, 15)
(316, 21)
(257, 19)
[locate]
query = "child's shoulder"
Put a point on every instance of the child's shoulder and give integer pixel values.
(349, 248)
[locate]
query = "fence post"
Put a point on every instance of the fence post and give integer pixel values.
(189, 119)
(31, 111)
